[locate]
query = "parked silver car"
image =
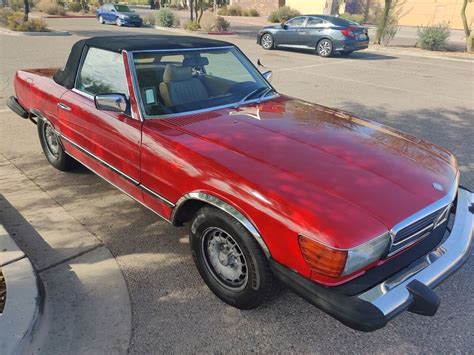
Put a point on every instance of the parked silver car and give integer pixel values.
(326, 34)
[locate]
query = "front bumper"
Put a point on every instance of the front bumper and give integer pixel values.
(131, 21)
(411, 288)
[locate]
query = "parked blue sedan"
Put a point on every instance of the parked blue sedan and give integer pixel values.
(119, 14)
(325, 34)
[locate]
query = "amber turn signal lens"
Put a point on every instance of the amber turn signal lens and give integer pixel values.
(322, 259)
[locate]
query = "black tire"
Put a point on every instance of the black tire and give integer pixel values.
(267, 42)
(101, 20)
(324, 48)
(258, 283)
(59, 159)
(117, 22)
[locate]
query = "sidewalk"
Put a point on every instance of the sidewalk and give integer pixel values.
(87, 306)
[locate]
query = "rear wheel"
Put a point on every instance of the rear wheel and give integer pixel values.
(267, 41)
(52, 147)
(229, 259)
(324, 48)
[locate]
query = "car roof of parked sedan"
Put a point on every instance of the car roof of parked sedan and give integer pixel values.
(151, 42)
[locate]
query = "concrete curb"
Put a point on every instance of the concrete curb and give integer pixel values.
(24, 301)
(19, 33)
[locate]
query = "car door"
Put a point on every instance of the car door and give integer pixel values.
(110, 139)
(288, 35)
(312, 32)
(109, 13)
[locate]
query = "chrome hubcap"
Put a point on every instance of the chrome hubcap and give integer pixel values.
(267, 41)
(224, 259)
(52, 142)
(324, 48)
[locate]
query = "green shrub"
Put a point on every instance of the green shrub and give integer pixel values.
(222, 11)
(283, 14)
(16, 23)
(433, 38)
(149, 20)
(236, 11)
(75, 7)
(221, 25)
(352, 17)
(252, 13)
(191, 26)
(166, 18)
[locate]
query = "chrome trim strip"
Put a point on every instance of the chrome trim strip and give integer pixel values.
(119, 188)
(82, 93)
(392, 295)
(155, 194)
(114, 169)
(216, 202)
(414, 235)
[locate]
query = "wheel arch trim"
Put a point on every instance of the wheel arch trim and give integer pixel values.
(227, 208)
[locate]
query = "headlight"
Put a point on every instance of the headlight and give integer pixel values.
(334, 262)
(124, 17)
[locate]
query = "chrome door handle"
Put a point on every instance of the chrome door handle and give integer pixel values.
(64, 107)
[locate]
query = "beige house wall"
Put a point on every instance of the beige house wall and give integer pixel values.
(309, 6)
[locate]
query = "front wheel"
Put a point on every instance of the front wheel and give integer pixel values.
(52, 147)
(117, 21)
(101, 20)
(324, 48)
(229, 259)
(267, 41)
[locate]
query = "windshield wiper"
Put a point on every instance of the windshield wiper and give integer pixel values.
(265, 93)
(251, 93)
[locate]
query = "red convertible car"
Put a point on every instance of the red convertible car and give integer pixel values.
(361, 220)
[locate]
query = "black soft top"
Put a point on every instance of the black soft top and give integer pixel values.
(66, 76)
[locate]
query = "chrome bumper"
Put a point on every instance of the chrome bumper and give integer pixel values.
(393, 295)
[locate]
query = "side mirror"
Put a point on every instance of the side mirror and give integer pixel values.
(111, 102)
(284, 26)
(268, 75)
(113, 10)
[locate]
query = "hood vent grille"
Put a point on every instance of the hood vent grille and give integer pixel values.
(190, 119)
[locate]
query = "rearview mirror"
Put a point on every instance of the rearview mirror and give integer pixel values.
(111, 102)
(268, 75)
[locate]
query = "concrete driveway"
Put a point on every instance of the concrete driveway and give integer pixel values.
(172, 309)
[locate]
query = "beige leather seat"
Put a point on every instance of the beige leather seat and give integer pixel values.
(179, 87)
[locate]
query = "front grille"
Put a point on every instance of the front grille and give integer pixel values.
(418, 230)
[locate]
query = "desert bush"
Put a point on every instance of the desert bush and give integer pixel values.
(166, 18)
(221, 25)
(16, 23)
(191, 26)
(149, 20)
(252, 13)
(4, 14)
(433, 38)
(75, 7)
(283, 14)
(353, 17)
(51, 8)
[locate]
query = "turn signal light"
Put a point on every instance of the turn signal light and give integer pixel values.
(322, 259)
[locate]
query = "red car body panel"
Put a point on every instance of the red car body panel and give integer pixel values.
(291, 167)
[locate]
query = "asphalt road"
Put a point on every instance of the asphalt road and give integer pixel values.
(172, 309)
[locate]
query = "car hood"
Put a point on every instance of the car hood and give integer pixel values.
(316, 150)
(129, 14)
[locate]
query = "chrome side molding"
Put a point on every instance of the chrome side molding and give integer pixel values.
(218, 203)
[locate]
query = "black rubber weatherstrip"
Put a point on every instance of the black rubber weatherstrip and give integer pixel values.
(15, 106)
(349, 310)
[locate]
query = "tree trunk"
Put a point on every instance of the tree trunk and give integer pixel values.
(467, 31)
(191, 9)
(383, 22)
(27, 10)
(366, 10)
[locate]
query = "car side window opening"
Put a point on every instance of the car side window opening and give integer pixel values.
(102, 72)
(314, 22)
(296, 22)
(185, 81)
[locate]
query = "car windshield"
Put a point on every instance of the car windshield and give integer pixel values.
(184, 81)
(122, 8)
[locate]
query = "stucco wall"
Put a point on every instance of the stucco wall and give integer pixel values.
(310, 6)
